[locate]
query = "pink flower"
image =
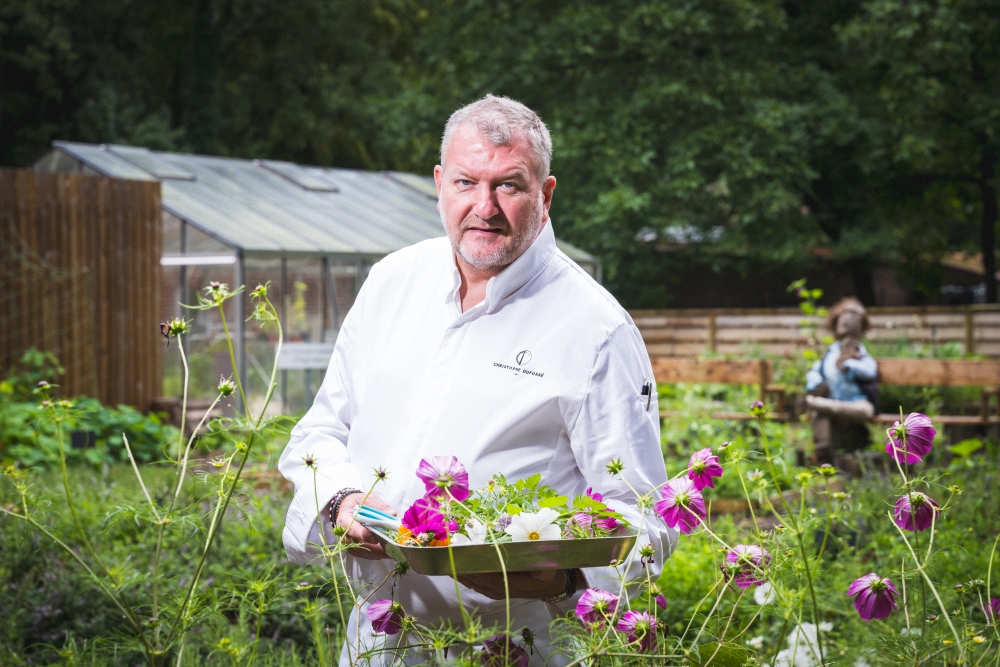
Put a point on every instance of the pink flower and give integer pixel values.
(444, 475)
(910, 441)
(501, 651)
(876, 596)
(682, 505)
(662, 601)
(992, 609)
(386, 616)
(640, 626)
(747, 561)
(596, 606)
(593, 494)
(424, 521)
(703, 466)
(914, 511)
(584, 520)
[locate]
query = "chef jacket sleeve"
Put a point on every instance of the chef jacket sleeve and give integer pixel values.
(615, 423)
(322, 435)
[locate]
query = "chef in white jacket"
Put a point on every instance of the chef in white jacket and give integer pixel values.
(493, 346)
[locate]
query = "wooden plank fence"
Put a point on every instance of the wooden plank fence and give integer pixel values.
(80, 277)
(689, 333)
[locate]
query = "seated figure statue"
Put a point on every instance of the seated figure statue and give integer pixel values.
(842, 387)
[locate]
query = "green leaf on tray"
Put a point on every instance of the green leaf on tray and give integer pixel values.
(555, 501)
(513, 510)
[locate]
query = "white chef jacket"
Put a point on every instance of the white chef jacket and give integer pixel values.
(545, 375)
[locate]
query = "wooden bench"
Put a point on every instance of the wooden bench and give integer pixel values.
(919, 372)
(670, 370)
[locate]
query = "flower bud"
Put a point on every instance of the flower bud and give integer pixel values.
(226, 387)
(758, 409)
(615, 467)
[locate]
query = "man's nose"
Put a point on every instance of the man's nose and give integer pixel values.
(486, 205)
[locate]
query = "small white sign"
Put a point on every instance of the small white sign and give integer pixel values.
(305, 356)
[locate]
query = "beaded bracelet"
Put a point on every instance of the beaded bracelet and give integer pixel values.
(336, 501)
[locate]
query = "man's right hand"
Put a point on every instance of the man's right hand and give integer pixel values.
(358, 534)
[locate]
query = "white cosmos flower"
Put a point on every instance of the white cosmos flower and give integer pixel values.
(525, 527)
(476, 534)
(763, 594)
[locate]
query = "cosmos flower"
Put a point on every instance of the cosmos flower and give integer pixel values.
(444, 475)
(914, 511)
(501, 651)
(475, 533)
(746, 562)
(585, 521)
(682, 506)
(596, 606)
(386, 616)
(703, 466)
(425, 522)
(992, 609)
(876, 596)
(640, 626)
(910, 441)
(539, 526)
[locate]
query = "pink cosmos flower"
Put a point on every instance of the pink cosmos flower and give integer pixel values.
(703, 466)
(910, 441)
(914, 511)
(992, 609)
(596, 606)
(585, 521)
(594, 494)
(386, 616)
(640, 626)
(501, 651)
(747, 561)
(424, 521)
(682, 506)
(443, 475)
(662, 601)
(876, 596)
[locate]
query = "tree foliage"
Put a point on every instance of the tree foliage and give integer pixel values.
(705, 135)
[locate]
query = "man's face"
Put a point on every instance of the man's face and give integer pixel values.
(491, 202)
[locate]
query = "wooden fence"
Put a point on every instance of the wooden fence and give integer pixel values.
(80, 277)
(689, 333)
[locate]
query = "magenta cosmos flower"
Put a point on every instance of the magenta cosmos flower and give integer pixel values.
(914, 511)
(640, 626)
(876, 596)
(992, 609)
(682, 506)
(444, 478)
(386, 616)
(703, 466)
(910, 441)
(596, 606)
(425, 521)
(501, 651)
(746, 562)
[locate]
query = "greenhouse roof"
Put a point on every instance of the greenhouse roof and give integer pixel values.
(269, 207)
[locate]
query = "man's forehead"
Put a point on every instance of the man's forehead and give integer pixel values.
(469, 148)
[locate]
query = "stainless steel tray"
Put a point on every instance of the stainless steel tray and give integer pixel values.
(517, 556)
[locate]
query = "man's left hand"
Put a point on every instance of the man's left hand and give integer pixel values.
(535, 585)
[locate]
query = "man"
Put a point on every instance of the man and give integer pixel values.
(492, 346)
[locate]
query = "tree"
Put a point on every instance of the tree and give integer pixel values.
(931, 81)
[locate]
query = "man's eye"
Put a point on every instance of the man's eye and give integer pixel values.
(509, 186)
(464, 182)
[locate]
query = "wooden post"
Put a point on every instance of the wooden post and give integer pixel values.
(711, 333)
(970, 333)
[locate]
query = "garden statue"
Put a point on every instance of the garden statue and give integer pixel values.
(842, 387)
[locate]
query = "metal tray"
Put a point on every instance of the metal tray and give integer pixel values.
(517, 556)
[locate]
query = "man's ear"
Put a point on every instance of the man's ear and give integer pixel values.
(438, 180)
(548, 187)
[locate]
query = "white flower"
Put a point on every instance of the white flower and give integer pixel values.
(763, 594)
(756, 642)
(861, 662)
(803, 649)
(476, 534)
(541, 526)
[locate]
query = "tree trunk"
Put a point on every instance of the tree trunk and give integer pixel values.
(988, 192)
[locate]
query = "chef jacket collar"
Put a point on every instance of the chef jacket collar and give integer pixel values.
(515, 276)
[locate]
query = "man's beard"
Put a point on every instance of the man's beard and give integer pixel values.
(503, 255)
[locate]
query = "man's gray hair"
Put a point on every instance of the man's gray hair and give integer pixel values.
(500, 120)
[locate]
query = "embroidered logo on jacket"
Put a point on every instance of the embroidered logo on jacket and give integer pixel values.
(522, 359)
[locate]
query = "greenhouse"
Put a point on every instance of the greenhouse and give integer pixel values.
(314, 232)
